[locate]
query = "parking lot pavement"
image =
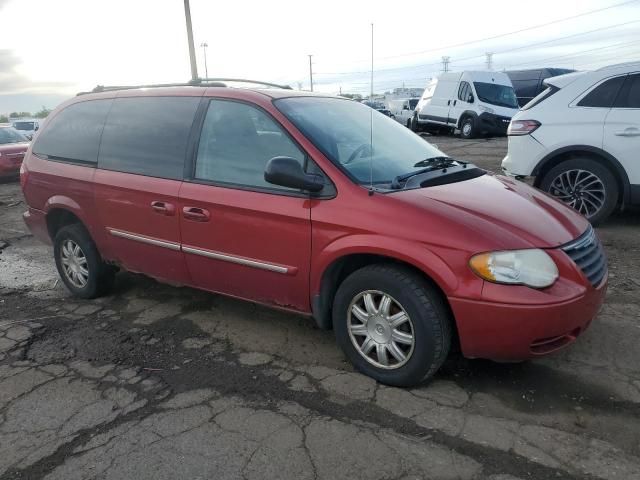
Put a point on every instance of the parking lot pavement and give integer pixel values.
(162, 382)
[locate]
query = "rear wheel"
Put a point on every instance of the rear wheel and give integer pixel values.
(585, 185)
(79, 264)
(392, 325)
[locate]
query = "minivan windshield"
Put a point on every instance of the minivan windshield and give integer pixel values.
(369, 146)
(500, 95)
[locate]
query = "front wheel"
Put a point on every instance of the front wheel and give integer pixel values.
(392, 324)
(468, 128)
(585, 185)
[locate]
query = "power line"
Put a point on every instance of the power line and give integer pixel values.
(514, 32)
(501, 52)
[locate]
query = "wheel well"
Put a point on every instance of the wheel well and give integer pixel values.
(564, 156)
(58, 218)
(341, 268)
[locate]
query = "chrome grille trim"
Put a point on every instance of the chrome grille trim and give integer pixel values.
(588, 254)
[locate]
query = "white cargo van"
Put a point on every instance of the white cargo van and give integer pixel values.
(402, 109)
(476, 103)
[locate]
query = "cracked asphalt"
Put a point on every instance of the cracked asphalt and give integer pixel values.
(158, 382)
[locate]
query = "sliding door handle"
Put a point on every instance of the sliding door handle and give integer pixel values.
(163, 208)
(196, 214)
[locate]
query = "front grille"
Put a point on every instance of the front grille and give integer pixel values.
(587, 252)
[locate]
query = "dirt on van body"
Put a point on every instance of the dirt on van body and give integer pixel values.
(160, 382)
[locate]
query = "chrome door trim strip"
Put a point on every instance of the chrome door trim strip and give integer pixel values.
(142, 239)
(233, 259)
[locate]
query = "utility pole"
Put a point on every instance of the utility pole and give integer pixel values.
(192, 50)
(489, 61)
(340, 90)
(204, 46)
(310, 72)
(445, 64)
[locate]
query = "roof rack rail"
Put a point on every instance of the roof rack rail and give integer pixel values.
(199, 82)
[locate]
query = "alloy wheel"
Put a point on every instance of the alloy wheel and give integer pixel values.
(581, 190)
(380, 329)
(74, 263)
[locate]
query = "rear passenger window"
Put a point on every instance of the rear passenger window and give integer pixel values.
(236, 143)
(630, 95)
(604, 94)
(148, 135)
(73, 134)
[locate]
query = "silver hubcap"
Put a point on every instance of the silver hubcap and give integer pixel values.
(581, 190)
(380, 329)
(74, 264)
(466, 129)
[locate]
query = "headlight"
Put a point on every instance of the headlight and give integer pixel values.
(533, 268)
(484, 109)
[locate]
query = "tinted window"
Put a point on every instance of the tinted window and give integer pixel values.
(24, 126)
(11, 135)
(501, 95)
(236, 143)
(630, 95)
(462, 91)
(148, 135)
(604, 94)
(74, 133)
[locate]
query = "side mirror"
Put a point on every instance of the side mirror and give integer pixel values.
(36, 129)
(470, 98)
(287, 172)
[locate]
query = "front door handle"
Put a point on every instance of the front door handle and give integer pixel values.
(196, 214)
(628, 132)
(163, 208)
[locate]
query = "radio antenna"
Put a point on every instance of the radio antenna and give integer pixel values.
(371, 123)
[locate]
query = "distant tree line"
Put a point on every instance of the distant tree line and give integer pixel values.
(43, 113)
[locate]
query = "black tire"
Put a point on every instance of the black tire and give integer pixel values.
(468, 128)
(415, 125)
(100, 275)
(431, 325)
(611, 188)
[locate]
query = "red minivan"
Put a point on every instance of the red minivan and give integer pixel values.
(318, 205)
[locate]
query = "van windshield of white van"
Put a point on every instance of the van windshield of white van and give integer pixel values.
(500, 95)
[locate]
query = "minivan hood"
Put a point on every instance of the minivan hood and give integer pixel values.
(501, 213)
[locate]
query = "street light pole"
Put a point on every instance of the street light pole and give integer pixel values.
(310, 73)
(204, 46)
(192, 50)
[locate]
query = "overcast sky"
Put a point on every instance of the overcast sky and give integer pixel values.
(51, 49)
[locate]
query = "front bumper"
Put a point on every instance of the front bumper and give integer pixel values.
(507, 331)
(493, 124)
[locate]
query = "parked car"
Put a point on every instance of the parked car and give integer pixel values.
(580, 139)
(13, 146)
(476, 103)
(402, 110)
(529, 83)
(380, 107)
(324, 214)
(27, 127)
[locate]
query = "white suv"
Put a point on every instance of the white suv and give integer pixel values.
(580, 139)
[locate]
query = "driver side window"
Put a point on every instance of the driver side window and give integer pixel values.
(464, 91)
(237, 141)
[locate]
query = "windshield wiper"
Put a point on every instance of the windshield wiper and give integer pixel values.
(439, 160)
(431, 164)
